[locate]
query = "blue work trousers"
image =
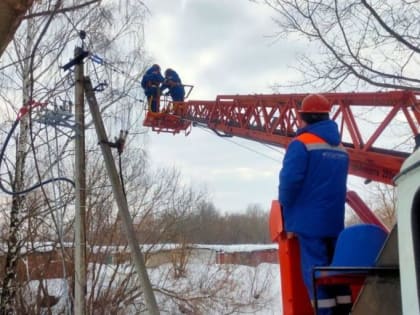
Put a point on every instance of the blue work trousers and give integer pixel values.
(153, 95)
(319, 252)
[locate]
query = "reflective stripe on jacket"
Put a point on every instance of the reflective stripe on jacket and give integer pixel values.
(312, 187)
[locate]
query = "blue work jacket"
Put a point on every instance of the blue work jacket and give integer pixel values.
(152, 78)
(312, 188)
(174, 84)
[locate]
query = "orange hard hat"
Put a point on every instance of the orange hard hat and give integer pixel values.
(315, 103)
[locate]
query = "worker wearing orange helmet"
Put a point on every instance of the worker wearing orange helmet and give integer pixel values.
(312, 193)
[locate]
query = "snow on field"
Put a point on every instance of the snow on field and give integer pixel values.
(201, 287)
(214, 289)
(233, 287)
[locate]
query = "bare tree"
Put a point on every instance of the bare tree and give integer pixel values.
(205, 225)
(367, 42)
(40, 46)
(384, 202)
(216, 289)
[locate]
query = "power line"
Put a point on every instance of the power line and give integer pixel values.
(246, 147)
(23, 111)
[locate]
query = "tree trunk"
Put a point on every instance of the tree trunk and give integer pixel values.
(15, 240)
(11, 14)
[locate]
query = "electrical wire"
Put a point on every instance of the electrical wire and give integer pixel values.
(208, 130)
(58, 220)
(101, 61)
(95, 59)
(125, 120)
(24, 110)
(40, 184)
(245, 147)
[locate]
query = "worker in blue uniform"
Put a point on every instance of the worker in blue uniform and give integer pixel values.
(174, 84)
(151, 85)
(312, 192)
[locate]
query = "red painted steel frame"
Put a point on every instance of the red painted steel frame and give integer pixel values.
(363, 211)
(295, 299)
(273, 119)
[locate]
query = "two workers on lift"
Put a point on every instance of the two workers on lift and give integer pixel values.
(153, 84)
(312, 193)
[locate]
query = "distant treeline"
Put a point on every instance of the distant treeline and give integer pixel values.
(207, 225)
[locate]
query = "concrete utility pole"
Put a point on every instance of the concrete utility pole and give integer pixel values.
(123, 212)
(80, 181)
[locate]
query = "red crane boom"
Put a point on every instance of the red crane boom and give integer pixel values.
(273, 119)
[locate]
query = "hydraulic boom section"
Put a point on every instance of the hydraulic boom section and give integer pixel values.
(273, 119)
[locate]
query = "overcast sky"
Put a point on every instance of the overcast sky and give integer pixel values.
(220, 47)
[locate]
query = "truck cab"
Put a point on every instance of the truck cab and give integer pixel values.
(408, 212)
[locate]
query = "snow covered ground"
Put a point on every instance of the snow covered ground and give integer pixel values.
(213, 289)
(239, 285)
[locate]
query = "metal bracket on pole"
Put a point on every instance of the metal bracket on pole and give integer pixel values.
(120, 199)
